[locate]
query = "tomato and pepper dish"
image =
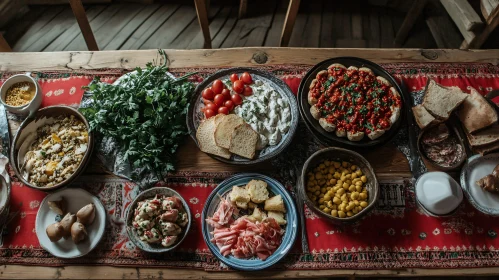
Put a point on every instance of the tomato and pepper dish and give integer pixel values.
(353, 102)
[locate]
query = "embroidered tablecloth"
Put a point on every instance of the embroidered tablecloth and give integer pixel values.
(394, 235)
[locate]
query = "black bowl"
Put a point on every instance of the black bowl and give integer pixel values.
(195, 116)
(331, 138)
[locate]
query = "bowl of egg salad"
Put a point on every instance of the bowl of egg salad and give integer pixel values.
(51, 148)
(339, 184)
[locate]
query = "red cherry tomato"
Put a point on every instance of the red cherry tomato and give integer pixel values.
(238, 86)
(206, 101)
(229, 104)
(236, 98)
(211, 106)
(208, 94)
(226, 93)
(219, 99)
(234, 77)
(247, 91)
(208, 113)
(217, 86)
(246, 78)
(223, 110)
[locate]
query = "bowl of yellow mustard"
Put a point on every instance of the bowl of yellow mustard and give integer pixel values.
(21, 94)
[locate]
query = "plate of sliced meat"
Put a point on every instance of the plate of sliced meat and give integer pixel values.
(249, 222)
(351, 101)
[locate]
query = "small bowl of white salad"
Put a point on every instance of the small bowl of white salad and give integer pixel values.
(260, 99)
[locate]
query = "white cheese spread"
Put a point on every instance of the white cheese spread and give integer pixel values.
(267, 113)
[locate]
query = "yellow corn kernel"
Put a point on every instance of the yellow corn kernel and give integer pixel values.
(358, 188)
(364, 179)
(333, 181)
(354, 195)
(363, 196)
(326, 210)
(322, 166)
(334, 213)
(331, 170)
(336, 164)
(331, 205)
(322, 207)
(345, 164)
(327, 163)
(336, 200)
(355, 211)
(321, 200)
(363, 204)
(353, 167)
(317, 192)
(341, 214)
(321, 195)
(341, 191)
(358, 183)
(351, 188)
(354, 176)
(349, 214)
(358, 172)
(327, 197)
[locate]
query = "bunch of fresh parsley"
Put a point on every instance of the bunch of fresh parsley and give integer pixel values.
(145, 114)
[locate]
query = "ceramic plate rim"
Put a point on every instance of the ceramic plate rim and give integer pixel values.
(470, 163)
(97, 205)
(293, 230)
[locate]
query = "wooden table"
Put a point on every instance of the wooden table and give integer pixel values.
(387, 161)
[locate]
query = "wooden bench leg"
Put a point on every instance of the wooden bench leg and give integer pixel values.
(202, 12)
(243, 8)
(85, 28)
(4, 46)
(479, 40)
(411, 17)
(289, 22)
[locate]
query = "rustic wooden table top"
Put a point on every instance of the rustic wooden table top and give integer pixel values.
(387, 161)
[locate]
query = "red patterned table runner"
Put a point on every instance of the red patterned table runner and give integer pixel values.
(395, 235)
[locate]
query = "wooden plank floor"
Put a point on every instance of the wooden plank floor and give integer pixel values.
(173, 24)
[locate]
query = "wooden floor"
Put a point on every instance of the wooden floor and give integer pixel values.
(170, 24)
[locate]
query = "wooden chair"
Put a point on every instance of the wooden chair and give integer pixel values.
(475, 32)
(86, 30)
(202, 13)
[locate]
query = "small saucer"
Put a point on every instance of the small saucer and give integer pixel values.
(438, 193)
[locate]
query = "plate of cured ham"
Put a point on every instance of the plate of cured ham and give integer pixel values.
(351, 101)
(249, 222)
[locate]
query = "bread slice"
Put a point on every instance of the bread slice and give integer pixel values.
(423, 117)
(486, 149)
(218, 119)
(206, 139)
(440, 101)
(476, 113)
(275, 203)
(257, 190)
(224, 129)
(243, 141)
(277, 216)
(487, 136)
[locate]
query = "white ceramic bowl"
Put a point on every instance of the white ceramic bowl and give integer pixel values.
(438, 193)
(30, 107)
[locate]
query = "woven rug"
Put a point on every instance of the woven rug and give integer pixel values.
(394, 235)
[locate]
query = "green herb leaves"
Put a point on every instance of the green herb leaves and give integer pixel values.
(145, 113)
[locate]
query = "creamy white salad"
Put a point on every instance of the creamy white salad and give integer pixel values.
(266, 112)
(159, 220)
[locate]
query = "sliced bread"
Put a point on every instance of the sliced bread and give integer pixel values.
(257, 190)
(484, 137)
(224, 129)
(440, 101)
(476, 113)
(486, 149)
(422, 116)
(275, 203)
(243, 141)
(206, 139)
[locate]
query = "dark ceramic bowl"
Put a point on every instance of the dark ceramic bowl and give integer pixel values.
(453, 133)
(331, 137)
(195, 115)
(30, 125)
(339, 154)
(132, 235)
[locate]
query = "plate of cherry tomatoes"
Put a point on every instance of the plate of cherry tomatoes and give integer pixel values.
(226, 89)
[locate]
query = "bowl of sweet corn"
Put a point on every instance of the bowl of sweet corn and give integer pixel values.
(339, 185)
